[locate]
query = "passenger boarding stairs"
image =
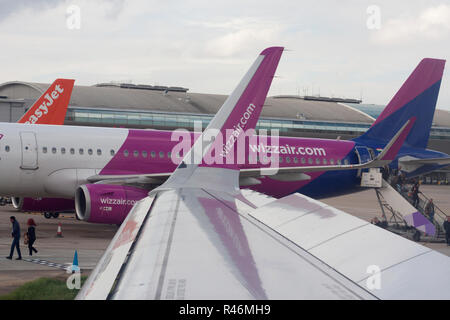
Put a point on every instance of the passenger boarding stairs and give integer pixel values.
(405, 218)
(439, 216)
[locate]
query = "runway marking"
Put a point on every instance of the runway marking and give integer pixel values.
(48, 263)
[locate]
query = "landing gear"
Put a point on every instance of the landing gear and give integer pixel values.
(49, 215)
(416, 236)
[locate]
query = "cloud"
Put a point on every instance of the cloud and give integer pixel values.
(240, 35)
(432, 23)
(8, 8)
(207, 45)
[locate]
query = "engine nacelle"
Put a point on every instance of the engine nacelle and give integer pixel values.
(108, 204)
(43, 204)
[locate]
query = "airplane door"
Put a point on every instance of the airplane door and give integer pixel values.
(29, 151)
(364, 155)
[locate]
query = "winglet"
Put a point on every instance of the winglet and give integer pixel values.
(393, 147)
(51, 107)
(239, 113)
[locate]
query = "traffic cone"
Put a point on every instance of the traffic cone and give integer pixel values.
(59, 231)
(75, 267)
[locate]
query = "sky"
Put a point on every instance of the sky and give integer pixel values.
(344, 48)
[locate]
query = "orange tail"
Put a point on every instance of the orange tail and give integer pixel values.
(51, 107)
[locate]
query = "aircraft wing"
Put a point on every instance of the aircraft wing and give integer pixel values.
(151, 178)
(196, 244)
(415, 161)
(207, 244)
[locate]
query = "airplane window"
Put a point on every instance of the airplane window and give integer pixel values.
(324, 161)
(53, 150)
(112, 152)
(72, 151)
(281, 159)
(99, 152)
(63, 150)
(136, 153)
(161, 154)
(44, 149)
(317, 161)
(81, 151)
(7, 148)
(339, 161)
(346, 161)
(288, 160)
(144, 154)
(331, 161)
(303, 160)
(310, 160)
(295, 160)
(90, 152)
(169, 155)
(153, 154)
(126, 153)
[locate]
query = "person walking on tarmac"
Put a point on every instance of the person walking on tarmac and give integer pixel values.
(31, 235)
(16, 238)
(447, 230)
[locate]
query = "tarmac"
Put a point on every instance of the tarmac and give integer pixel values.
(90, 240)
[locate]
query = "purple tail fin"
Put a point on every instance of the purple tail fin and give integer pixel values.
(416, 98)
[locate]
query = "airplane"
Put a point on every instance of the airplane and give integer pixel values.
(199, 236)
(84, 168)
(50, 108)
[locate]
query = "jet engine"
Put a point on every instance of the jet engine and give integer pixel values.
(43, 204)
(108, 204)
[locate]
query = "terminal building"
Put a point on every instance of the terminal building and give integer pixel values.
(162, 107)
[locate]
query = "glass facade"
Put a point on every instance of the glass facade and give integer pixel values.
(373, 110)
(137, 119)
